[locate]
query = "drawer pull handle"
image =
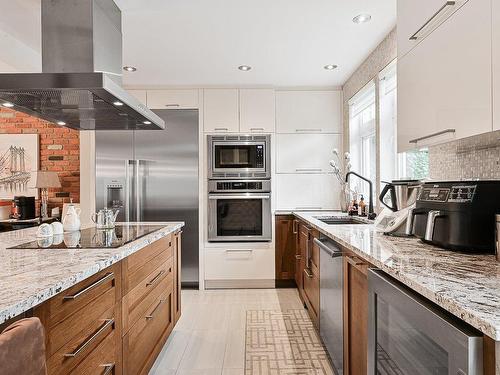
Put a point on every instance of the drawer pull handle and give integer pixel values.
(447, 4)
(155, 279)
(308, 273)
(172, 105)
(416, 140)
(355, 261)
(256, 129)
(105, 278)
(308, 169)
(298, 257)
(87, 342)
(308, 130)
(152, 314)
(108, 368)
(221, 129)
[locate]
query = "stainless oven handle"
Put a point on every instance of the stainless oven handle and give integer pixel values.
(215, 197)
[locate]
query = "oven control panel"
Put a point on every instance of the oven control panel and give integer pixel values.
(259, 156)
(453, 194)
(239, 185)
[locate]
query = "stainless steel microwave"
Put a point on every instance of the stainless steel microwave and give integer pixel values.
(239, 156)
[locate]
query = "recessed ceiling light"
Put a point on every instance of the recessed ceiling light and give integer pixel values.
(146, 122)
(362, 18)
(8, 105)
(118, 104)
(129, 68)
(62, 123)
(330, 67)
(244, 68)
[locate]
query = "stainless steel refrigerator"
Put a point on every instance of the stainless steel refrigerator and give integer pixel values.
(152, 175)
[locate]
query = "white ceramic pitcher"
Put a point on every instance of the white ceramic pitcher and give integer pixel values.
(71, 221)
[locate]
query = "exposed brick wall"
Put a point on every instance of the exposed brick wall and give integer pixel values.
(59, 151)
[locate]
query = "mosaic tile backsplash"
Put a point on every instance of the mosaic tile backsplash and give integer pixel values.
(473, 157)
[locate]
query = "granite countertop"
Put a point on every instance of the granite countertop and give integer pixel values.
(29, 277)
(467, 286)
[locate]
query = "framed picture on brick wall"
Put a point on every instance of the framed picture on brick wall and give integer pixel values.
(19, 157)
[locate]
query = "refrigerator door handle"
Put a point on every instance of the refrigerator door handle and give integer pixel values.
(131, 191)
(140, 179)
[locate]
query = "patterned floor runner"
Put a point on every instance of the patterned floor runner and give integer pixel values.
(283, 343)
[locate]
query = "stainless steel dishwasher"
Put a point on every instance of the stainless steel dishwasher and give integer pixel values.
(331, 310)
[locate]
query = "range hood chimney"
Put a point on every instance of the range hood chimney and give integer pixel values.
(80, 83)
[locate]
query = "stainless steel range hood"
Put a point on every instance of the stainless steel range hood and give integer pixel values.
(80, 83)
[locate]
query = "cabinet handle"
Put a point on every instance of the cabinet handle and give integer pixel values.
(447, 4)
(308, 130)
(295, 227)
(108, 368)
(155, 279)
(355, 261)
(298, 257)
(172, 105)
(106, 277)
(88, 341)
(256, 129)
(152, 314)
(308, 273)
(221, 129)
(308, 169)
(416, 140)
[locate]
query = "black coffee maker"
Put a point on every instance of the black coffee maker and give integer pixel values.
(458, 215)
(24, 208)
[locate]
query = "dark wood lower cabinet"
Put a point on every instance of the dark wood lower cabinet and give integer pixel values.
(285, 248)
(355, 315)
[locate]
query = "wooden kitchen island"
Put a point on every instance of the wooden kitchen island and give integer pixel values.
(105, 311)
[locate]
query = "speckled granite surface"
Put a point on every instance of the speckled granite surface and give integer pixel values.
(29, 277)
(468, 286)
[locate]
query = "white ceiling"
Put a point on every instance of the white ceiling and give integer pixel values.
(287, 42)
(195, 43)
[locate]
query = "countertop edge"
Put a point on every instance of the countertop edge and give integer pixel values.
(32, 301)
(451, 306)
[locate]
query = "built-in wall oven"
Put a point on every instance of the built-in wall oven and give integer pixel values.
(239, 156)
(239, 210)
(409, 335)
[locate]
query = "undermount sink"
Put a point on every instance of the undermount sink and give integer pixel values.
(335, 220)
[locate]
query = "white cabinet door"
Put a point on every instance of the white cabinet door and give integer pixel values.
(496, 65)
(308, 112)
(306, 153)
(221, 110)
(139, 95)
(444, 84)
(257, 113)
(307, 192)
(173, 99)
(239, 264)
(417, 19)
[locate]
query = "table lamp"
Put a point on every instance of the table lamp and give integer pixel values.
(43, 181)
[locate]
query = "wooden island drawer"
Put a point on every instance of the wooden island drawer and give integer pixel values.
(85, 341)
(144, 340)
(137, 301)
(104, 359)
(139, 265)
(59, 307)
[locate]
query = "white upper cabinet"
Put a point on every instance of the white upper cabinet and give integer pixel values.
(307, 192)
(139, 95)
(306, 153)
(257, 110)
(173, 99)
(417, 19)
(496, 65)
(221, 110)
(444, 83)
(308, 112)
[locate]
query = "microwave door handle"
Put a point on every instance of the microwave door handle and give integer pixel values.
(220, 196)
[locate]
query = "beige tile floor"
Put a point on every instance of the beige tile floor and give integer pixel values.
(209, 339)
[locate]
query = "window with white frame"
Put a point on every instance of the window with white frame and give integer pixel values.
(362, 135)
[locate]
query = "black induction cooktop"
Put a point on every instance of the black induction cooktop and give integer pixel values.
(92, 238)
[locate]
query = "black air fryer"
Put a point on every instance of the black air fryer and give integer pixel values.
(458, 215)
